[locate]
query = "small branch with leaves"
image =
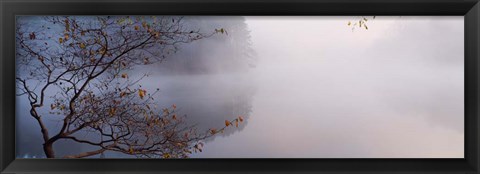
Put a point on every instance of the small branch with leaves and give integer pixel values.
(361, 23)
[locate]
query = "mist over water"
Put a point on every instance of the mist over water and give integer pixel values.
(317, 90)
(325, 91)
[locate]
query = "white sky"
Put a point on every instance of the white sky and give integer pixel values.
(325, 91)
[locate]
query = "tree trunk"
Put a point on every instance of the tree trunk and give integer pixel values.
(48, 149)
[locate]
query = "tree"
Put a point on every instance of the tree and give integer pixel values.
(86, 62)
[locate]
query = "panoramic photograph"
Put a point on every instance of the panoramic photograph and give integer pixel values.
(239, 87)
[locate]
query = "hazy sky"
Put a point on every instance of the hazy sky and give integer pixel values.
(323, 90)
(395, 90)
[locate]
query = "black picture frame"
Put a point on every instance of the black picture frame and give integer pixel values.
(470, 9)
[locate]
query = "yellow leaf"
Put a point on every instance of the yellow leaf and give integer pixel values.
(137, 27)
(82, 45)
(141, 93)
(130, 150)
(156, 34)
(124, 75)
(60, 40)
(67, 36)
(166, 155)
(227, 123)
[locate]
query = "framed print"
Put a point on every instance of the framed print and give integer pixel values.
(239, 86)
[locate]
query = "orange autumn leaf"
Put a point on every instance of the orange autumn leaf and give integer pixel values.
(174, 116)
(227, 123)
(137, 27)
(213, 131)
(124, 75)
(112, 111)
(122, 94)
(240, 118)
(60, 40)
